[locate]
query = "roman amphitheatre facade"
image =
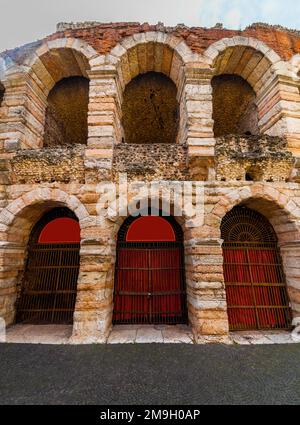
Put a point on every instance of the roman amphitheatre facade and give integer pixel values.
(93, 102)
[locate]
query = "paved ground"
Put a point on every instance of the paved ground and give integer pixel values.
(149, 374)
(139, 334)
(129, 334)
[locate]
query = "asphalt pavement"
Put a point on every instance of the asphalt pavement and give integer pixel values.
(150, 374)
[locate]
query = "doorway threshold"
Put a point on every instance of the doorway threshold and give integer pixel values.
(38, 334)
(262, 337)
(149, 334)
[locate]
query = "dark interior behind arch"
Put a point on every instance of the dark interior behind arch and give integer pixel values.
(66, 113)
(150, 109)
(234, 107)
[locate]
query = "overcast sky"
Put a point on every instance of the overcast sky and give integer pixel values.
(23, 21)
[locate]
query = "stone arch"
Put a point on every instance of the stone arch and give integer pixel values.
(264, 197)
(118, 220)
(148, 52)
(53, 62)
(113, 223)
(258, 65)
(42, 200)
(16, 223)
(284, 215)
(151, 51)
(219, 47)
(57, 59)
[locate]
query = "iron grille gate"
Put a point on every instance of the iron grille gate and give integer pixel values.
(255, 286)
(48, 291)
(149, 283)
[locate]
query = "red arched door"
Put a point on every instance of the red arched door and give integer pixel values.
(255, 284)
(48, 289)
(149, 278)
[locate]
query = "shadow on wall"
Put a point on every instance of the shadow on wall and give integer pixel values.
(66, 114)
(150, 109)
(234, 107)
(1, 93)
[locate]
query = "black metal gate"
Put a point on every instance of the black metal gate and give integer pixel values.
(48, 292)
(149, 283)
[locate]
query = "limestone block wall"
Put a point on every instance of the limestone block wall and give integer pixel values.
(34, 179)
(206, 296)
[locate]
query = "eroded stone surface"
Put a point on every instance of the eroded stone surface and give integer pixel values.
(39, 334)
(261, 338)
(35, 179)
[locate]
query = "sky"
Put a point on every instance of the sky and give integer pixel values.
(24, 21)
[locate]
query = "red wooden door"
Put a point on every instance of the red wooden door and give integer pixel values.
(149, 284)
(149, 280)
(255, 284)
(49, 284)
(255, 287)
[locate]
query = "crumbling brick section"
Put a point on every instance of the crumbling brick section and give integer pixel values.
(104, 36)
(262, 158)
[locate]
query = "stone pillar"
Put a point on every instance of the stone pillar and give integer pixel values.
(279, 110)
(12, 258)
(22, 113)
(206, 295)
(104, 128)
(94, 303)
(290, 254)
(199, 135)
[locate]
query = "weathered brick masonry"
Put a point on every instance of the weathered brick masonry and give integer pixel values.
(62, 166)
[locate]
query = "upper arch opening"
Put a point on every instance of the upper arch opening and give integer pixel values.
(66, 112)
(62, 73)
(240, 72)
(150, 109)
(250, 64)
(146, 56)
(58, 63)
(234, 106)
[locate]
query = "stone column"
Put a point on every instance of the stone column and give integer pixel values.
(199, 136)
(94, 303)
(290, 254)
(104, 128)
(12, 258)
(279, 110)
(206, 295)
(22, 113)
